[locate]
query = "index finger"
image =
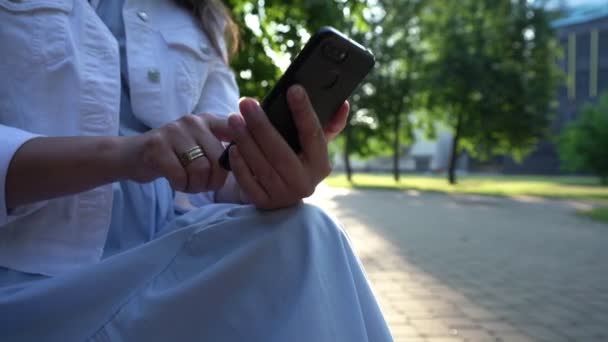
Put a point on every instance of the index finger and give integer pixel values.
(338, 122)
(218, 126)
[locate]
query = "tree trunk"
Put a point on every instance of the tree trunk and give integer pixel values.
(347, 149)
(454, 153)
(397, 149)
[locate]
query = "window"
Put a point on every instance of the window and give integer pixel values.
(571, 66)
(593, 62)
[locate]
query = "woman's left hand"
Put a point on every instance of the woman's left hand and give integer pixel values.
(270, 174)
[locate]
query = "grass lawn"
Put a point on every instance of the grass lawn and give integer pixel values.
(578, 188)
(599, 214)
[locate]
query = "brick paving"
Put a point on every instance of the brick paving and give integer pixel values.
(468, 268)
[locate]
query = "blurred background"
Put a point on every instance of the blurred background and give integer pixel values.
(472, 176)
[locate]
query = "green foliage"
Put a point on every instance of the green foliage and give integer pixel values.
(490, 65)
(382, 106)
(579, 188)
(583, 145)
(278, 28)
(599, 214)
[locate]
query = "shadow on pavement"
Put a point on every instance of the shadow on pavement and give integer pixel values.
(481, 268)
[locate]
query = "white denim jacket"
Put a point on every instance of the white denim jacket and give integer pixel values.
(60, 76)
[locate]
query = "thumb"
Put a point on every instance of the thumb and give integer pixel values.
(218, 125)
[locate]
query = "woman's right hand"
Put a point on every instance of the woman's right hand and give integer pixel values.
(155, 154)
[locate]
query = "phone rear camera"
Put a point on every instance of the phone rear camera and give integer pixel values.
(334, 53)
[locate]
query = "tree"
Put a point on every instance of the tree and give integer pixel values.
(490, 75)
(397, 52)
(583, 143)
(380, 124)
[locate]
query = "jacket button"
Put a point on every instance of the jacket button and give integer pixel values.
(143, 16)
(154, 75)
(205, 49)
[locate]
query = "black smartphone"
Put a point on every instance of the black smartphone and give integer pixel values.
(329, 67)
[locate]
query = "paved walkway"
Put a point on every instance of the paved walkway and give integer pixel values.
(466, 268)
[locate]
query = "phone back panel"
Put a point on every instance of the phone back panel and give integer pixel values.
(329, 67)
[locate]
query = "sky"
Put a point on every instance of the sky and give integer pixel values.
(577, 2)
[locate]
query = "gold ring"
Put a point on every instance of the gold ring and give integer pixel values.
(191, 155)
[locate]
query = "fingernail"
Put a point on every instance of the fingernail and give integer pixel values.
(297, 92)
(249, 107)
(235, 121)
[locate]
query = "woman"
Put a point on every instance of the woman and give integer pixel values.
(116, 221)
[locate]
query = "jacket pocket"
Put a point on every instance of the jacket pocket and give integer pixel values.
(36, 30)
(191, 55)
(28, 6)
(189, 40)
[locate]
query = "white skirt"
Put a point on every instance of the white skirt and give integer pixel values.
(219, 273)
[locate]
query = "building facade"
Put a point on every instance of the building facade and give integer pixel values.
(583, 36)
